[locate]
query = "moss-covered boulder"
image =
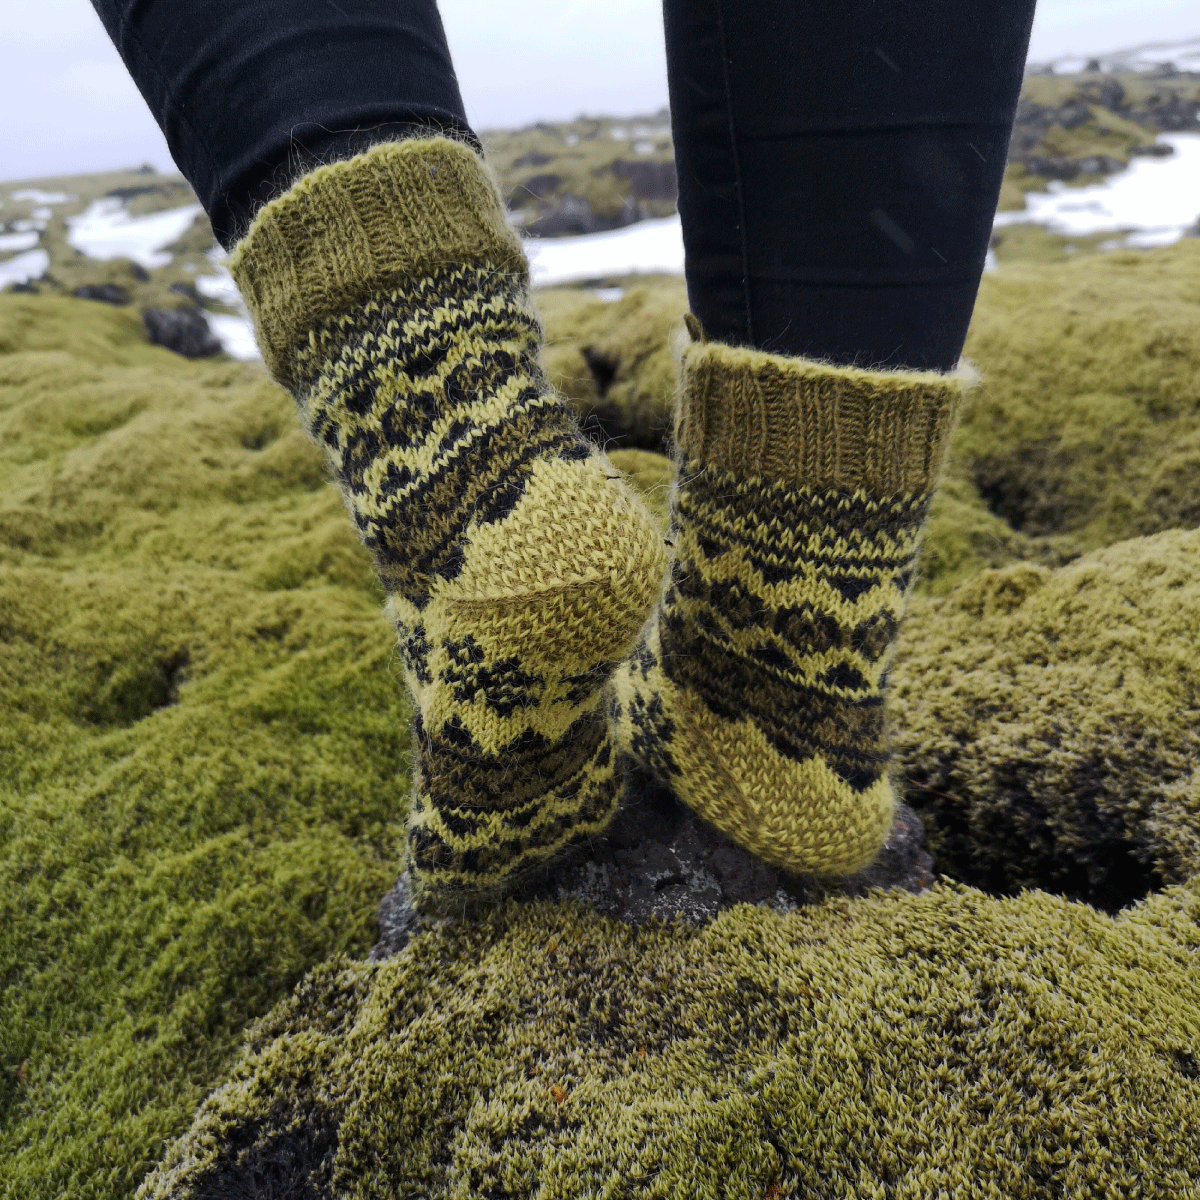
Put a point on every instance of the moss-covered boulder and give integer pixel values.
(947, 1044)
(1086, 423)
(1048, 722)
(612, 360)
(203, 749)
(203, 773)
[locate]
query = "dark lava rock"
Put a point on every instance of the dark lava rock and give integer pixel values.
(648, 179)
(568, 217)
(535, 158)
(537, 187)
(1168, 112)
(183, 330)
(187, 291)
(106, 293)
(658, 860)
(1158, 150)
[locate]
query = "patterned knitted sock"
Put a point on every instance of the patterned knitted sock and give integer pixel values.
(756, 691)
(392, 298)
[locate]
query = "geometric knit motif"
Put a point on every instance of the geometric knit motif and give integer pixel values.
(518, 567)
(757, 690)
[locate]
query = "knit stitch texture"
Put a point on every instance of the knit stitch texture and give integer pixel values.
(393, 299)
(756, 692)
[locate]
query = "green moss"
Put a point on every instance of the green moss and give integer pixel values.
(203, 753)
(1086, 422)
(1046, 722)
(888, 1046)
(203, 774)
(633, 335)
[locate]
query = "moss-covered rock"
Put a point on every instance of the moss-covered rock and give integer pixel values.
(612, 359)
(203, 773)
(1086, 421)
(585, 175)
(901, 1046)
(203, 751)
(1048, 722)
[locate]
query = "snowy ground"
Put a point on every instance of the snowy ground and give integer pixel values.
(107, 230)
(1150, 204)
(649, 247)
(33, 264)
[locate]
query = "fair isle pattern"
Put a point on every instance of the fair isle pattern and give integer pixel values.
(757, 691)
(432, 406)
(518, 565)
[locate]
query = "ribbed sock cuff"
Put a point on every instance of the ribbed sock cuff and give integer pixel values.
(351, 229)
(810, 424)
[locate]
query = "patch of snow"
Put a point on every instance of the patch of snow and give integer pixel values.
(572, 139)
(26, 224)
(236, 335)
(645, 248)
(106, 230)
(990, 263)
(609, 294)
(1151, 239)
(219, 287)
(33, 264)
(1153, 201)
(41, 213)
(643, 147)
(36, 197)
(618, 133)
(18, 241)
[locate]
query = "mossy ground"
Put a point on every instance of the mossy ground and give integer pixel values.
(896, 1047)
(203, 766)
(542, 163)
(203, 754)
(1047, 723)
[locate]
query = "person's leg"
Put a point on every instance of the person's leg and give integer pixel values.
(251, 94)
(391, 297)
(839, 165)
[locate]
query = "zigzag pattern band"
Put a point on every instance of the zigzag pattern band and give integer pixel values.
(432, 403)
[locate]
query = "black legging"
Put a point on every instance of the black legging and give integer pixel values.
(839, 160)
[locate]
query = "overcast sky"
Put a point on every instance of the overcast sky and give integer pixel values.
(69, 106)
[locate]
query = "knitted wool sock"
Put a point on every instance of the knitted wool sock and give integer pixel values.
(392, 298)
(756, 691)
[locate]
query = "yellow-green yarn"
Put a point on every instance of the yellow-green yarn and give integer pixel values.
(349, 230)
(519, 567)
(757, 689)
